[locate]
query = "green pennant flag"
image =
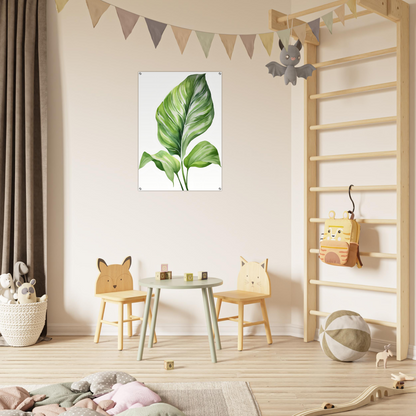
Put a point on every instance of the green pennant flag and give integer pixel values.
(284, 36)
(328, 20)
(205, 39)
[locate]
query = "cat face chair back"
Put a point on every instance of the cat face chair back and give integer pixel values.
(114, 277)
(26, 292)
(253, 277)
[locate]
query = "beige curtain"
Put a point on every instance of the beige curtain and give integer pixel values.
(23, 137)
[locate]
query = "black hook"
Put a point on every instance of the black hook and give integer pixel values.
(353, 204)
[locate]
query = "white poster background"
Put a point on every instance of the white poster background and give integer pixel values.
(153, 88)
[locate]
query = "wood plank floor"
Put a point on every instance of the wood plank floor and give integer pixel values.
(286, 377)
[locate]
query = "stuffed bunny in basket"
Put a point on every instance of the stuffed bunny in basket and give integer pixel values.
(26, 293)
(7, 288)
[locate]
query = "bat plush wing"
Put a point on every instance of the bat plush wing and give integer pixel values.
(276, 69)
(305, 71)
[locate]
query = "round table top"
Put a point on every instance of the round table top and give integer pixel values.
(178, 282)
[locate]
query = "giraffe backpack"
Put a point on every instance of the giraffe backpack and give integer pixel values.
(339, 245)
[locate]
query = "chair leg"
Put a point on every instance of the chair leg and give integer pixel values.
(129, 324)
(266, 321)
(99, 323)
(150, 324)
(120, 326)
(240, 326)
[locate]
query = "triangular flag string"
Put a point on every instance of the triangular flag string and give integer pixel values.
(60, 4)
(205, 39)
(340, 12)
(301, 32)
(229, 43)
(156, 30)
(181, 36)
(96, 9)
(352, 4)
(267, 40)
(248, 42)
(127, 21)
(328, 20)
(314, 25)
(284, 36)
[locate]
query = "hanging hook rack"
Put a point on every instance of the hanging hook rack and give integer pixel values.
(353, 204)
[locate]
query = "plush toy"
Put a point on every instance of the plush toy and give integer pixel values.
(289, 58)
(102, 382)
(27, 293)
(7, 288)
(20, 272)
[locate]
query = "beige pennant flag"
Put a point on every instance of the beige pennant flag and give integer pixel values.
(205, 39)
(248, 41)
(127, 21)
(301, 32)
(96, 9)
(181, 36)
(229, 43)
(60, 4)
(353, 7)
(267, 40)
(340, 12)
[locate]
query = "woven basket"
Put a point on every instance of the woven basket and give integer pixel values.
(21, 325)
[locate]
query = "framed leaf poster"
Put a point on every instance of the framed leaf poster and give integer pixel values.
(180, 131)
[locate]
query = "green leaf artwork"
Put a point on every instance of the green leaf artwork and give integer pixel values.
(185, 114)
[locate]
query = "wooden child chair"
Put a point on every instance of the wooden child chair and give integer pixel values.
(253, 286)
(115, 285)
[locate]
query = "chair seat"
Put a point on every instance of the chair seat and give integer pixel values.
(237, 296)
(123, 296)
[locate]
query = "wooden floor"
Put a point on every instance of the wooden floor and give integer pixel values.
(286, 377)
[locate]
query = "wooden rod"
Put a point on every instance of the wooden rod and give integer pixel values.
(370, 321)
(349, 16)
(369, 155)
(354, 123)
(365, 254)
(109, 322)
(358, 90)
(355, 188)
(354, 286)
(360, 220)
(310, 11)
(227, 319)
(356, 57)
(252, 323)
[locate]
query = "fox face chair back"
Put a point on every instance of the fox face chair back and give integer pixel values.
(114, 278)
(253, 277)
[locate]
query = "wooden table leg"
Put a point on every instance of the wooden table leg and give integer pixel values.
(209, 327)
(214, 318)
(153, 325)
(144, 323)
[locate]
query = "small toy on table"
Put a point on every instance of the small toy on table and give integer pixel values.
(164, 267)
(384, 355)
(169, 275)
(202, 275)
(188, 277)
(162, 276)
(400, 380)
(169, 364)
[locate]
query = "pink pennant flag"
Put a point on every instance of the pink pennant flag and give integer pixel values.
(248, 42)
(96, 9)
(156, 30)
(181, 36)
(301, 32)
(127, 21)
(229, 43)
(340, 12)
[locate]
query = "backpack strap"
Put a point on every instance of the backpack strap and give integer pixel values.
(359, 262)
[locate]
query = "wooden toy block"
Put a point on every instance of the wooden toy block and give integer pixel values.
(169, 274)
(188, 277)
(164, 268)
(169, 364)
(202, 275)
(161, 276)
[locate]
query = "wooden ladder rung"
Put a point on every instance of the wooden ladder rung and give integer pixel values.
(357, 90)
(365, 254)
(360, 220)
(370, 321)
(355, 188)
(355, 123)
(347, 156)
(356, 57)
(353, 286)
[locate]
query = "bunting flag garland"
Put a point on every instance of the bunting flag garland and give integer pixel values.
(340, 12)
(96, 9)
(205, 39)
(181, 36)
(248, 42)
(284, 36)
(314, 25)
(328, 20)
(301, 32)
(156, 30)
(127, 21)
(353, 7)
(229, 43)
(60, 4)
(267, 40)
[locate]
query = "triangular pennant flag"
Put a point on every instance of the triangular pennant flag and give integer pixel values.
(156, 30)
(127, 21)
(60, 4)
(248, 41)
(267, 40)
(314, 25)
(284, 36)
(301, 32)
(353, 7)
(182, 36)
(96, 9)
(205, 39)
(328, 20)
(229, 42)
(340, 12)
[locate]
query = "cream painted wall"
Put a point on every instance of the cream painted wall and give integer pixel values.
(94, 207)
(363, 35)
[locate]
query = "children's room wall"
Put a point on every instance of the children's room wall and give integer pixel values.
(94, 207)
(365, 34)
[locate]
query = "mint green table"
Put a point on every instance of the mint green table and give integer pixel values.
(177, 282)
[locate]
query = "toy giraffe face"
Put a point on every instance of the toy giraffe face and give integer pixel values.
(114, 278)
(253, 277)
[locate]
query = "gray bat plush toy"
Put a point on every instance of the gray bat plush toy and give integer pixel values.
(290, 58)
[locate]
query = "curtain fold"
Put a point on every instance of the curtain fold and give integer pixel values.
(23, 138)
